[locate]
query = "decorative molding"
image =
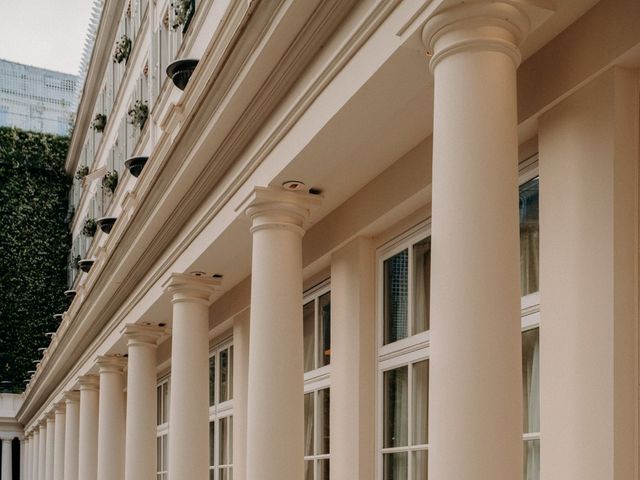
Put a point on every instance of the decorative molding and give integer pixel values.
(186, 288)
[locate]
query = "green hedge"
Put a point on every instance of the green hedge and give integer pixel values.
(34, 244)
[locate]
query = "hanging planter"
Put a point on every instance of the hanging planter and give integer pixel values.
(183, 11)
(110, 181)
(99, 122)
(123, 49)
(86, 264)
(106, 223)
(138, 114)
(90, 227)
(82, 172)
(58, 317)
(70, 294)
(180, 71)
(135, 165)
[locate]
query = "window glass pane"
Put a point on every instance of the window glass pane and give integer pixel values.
(531, 468)
(324, 342)
(395, 408)
(396, 271)
(308, 470)
(223, 441)
(308, 424)
(159, 454)
(531, 380)
(212, 380)
(308, 327)
(212, 443)
(529, 236)
(230, 440)
(420, 403)
(159, 406)
(165, 402)
(420, 465)
(323, 421)
(224, 375)
(165, 453)
(421, 285)
(394, 466)
(323, 469)
(230, 380)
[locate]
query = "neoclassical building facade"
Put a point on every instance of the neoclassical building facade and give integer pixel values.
(372, 240)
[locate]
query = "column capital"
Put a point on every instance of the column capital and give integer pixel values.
(111, 364)
(139, 334)
(72, 396)
(485, 25)
(89, 382)
(42, 424)
(191, 288)
(275, 208)
(60, 407)
(51, 416)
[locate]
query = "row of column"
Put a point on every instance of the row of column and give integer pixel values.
(83, 436)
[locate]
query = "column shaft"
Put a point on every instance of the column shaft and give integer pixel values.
(35, 454)
(58, 449)
(6, 460)
(111, 419)
(71, 435)
(189, 406)
(50, 446)
(352, 373)
(141, 457)
(42, 452)
(475, 406)
(88, 431)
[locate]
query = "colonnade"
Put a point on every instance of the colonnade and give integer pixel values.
(98, 433)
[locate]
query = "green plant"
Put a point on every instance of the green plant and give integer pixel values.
(183, 11)
(138, 113)
(99, 122)
(110, 181)
(82, 172)
(34, 245)
(123, 49)
(90, 226)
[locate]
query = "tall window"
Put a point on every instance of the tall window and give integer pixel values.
(316, 320)
(162, 431)
(403, 356)
(529, 282)
(221, 413)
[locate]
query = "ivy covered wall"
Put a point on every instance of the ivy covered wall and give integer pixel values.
(34, 244)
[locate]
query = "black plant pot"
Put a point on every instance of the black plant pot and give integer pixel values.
(106, 223)
(86, 264)
(58, 317)
(135, 165)
(180, 71)
(70, 294)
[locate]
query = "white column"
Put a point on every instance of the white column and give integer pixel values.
(23, 456)
(588, 281)
(35, 453)
(6, 459)
(141, 457)
(88, 436)
(275, 431)
(111, 419)
(240, 390)
(42, 450)
(189, 405)
(50, 446)
(27, 457)
(71, 434)
(58, 442)
(352, 371)
(475, 406)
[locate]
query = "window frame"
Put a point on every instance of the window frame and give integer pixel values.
(162, 430)
(221, 410)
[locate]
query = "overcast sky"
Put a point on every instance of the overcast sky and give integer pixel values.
(44, 33)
